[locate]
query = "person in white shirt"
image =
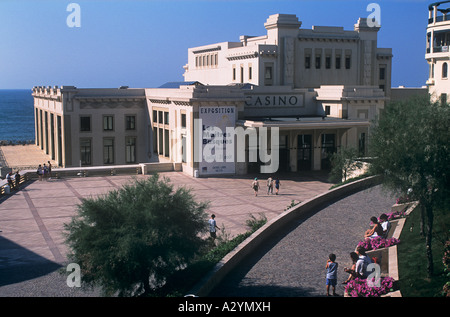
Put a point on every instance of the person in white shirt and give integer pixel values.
(385, 224)
(213, 226)
(362, 263)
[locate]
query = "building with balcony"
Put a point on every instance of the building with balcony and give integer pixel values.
(318, 88)
(437, 50)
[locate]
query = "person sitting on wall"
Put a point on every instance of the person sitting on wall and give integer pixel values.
(375, 231)
(385, 224)
(362, 263)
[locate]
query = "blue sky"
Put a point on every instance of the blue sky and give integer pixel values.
(143, 43)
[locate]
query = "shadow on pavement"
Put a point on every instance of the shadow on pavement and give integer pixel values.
(18, 264)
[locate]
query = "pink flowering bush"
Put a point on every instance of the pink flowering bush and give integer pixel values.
(378, 243)
(361, 288)
(402, 200)
(396, 214)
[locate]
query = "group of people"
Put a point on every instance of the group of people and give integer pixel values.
(44, 171)
(13, 180)
(360, 260)
(359, 269)
(380, 227)
(271, 183)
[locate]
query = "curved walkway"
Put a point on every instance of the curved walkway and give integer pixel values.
(293, 265)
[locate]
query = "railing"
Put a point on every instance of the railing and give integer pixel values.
(440, 18)
(31, 174)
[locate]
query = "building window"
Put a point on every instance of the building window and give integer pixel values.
(444, 70)
(348, 60)
(37, 126)
(338, 62)
(85, 152)
(443, 99)
(382, 73)
(382, 87)
(327, 62)
(130, 149)
(327, 110)
(234, 73)
(155, 116)
(307, 62)
(166, 117)
(108, 151)
(242, 75)
(268, 72)
(160, 117)
(183, 120)
(108, 123)
(85, 124)
(318, 60)
(250, 73)
(362, 144)
(328, 148)
(130, 122)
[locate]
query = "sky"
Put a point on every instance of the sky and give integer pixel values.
(144, 43)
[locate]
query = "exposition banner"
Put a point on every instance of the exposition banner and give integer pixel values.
(215, 120)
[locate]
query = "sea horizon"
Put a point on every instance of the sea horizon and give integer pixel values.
(17, 116)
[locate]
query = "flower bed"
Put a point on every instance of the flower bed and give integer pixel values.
(395, 214)
(378, 243)
(362, 288)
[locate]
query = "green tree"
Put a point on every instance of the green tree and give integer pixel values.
(343, 162)
(130, 240)
(411, 149)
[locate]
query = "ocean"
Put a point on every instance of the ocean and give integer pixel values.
(16, 115)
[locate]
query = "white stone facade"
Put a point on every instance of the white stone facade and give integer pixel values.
(438, 51)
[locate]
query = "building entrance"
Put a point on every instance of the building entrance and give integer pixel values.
(284, 153)
(328, 148)
(304, 152)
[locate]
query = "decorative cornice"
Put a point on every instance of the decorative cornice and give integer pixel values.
(160, 101)
(242, 56)
(207, 50)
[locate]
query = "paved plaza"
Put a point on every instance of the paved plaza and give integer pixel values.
(32, 244)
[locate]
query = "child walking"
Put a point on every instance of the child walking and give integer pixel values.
(331, 267)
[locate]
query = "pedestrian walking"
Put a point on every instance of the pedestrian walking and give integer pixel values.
(277, 185)
(270, 185)
(49, 170)
(9, 179)
(17, 179)
(213, 226)
(45, 171)
(255, 186)
(331, 267)
(40, 172)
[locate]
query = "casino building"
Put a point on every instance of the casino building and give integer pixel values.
(293, 94)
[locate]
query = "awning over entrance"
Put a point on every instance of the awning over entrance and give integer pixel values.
(304, 123)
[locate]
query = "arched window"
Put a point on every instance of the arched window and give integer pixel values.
(444, 70)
